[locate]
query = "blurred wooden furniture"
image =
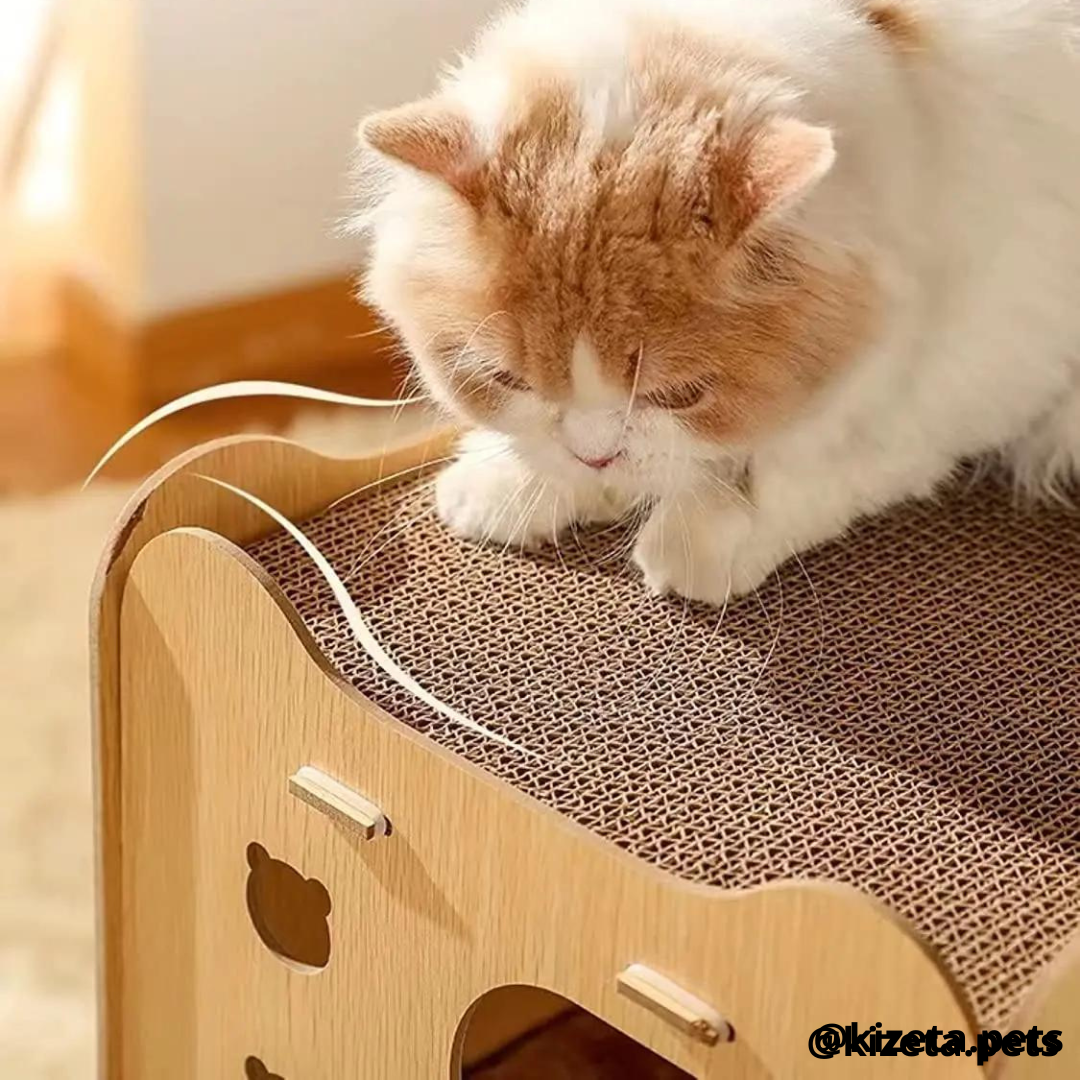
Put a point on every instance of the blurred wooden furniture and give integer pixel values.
(56, 420)
(312, 330)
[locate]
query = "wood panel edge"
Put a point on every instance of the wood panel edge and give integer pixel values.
(240, 459)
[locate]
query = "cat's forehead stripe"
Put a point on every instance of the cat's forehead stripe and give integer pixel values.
(589, 386)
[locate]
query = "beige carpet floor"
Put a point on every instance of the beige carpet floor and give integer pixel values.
(48, 551)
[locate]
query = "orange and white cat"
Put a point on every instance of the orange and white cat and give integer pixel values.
(751, 269)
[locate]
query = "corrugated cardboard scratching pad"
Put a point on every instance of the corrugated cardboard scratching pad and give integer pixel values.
(903, 717)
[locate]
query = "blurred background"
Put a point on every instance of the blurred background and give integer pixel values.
(172, 174)
(172, 178)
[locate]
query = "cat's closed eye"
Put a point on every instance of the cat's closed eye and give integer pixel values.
(675, 398)
(509, 380)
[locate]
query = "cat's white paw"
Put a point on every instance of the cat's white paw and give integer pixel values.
(497, 500)
(709, 554)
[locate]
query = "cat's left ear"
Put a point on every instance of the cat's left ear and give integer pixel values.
(433, 137)
(772, 171)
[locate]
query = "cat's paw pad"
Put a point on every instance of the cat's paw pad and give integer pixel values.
(707, 557)
(494, 501)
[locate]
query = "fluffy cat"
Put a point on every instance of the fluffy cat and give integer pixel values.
(754, 269)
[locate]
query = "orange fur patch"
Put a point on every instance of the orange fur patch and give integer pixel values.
(430, 137)
(896, 19)
(646, 245)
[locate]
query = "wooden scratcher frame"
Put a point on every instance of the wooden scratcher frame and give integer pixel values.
(199, 660)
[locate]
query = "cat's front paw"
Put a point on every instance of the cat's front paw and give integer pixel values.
(496, 500)
(708, 554)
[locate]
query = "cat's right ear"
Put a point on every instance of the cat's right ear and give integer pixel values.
(770, 170)
(433, 137)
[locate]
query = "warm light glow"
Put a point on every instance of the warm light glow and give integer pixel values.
(46, 186)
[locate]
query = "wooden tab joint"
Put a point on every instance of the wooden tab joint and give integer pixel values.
(676, 1006)
(338, 802)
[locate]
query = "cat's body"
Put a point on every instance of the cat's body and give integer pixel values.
(763, 268)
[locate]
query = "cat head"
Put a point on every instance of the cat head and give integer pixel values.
(606, 254)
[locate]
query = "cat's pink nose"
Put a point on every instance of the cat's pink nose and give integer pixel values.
(597, 463)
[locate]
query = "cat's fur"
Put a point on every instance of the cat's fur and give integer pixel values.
(785, 262)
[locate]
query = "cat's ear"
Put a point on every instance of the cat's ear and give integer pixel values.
(431, 136)
(773, 170)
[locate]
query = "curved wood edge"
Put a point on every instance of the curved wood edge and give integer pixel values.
(829, 921)
(1052, 1005)
(499, 1019)
(295, 479)
(299, 482)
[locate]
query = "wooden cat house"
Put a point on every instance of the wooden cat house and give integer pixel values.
(853, 799)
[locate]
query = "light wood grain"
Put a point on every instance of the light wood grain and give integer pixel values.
(223, 693)
(296, 481)
(1054, 1005)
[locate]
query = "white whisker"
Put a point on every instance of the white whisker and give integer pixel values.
(508, 502)
(633, 393)
(370, 333)
(817, 602)
(464, 351)
(388, 480)
(776, 636)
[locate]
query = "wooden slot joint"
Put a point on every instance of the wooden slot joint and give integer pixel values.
(672, 1003)
(338, 802)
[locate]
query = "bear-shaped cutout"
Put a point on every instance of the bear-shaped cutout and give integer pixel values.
(289, 911)
(254, 1069)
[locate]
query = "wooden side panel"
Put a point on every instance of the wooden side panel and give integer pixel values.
(476, 887)
(1054, 1006)
(289, 477)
